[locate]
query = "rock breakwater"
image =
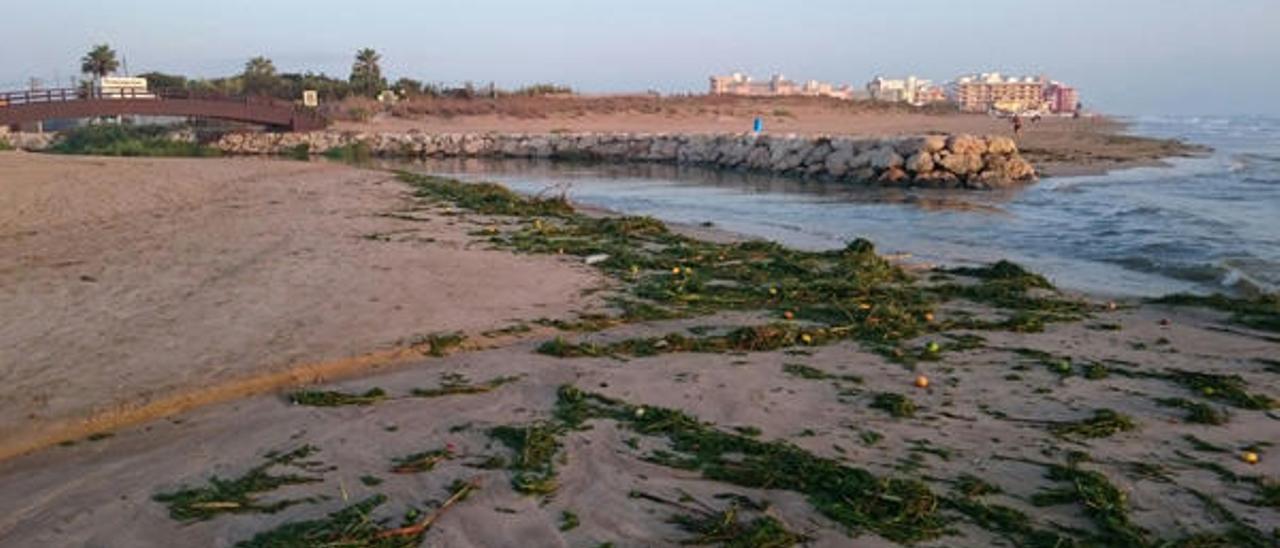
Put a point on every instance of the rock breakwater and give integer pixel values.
(956, 161)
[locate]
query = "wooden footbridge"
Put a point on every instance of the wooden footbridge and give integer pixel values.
(24, 107)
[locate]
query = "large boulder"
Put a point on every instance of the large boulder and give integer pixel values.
(933, 143)
(1003, 171)
(839, 161)
(920, 162)
(907, 147)
(884, 158)
(758, 157)
(817, 155)
(967, 144)
(963, 165)
(893, 175)
(861, 175)
(1001, 145)
(937, 179)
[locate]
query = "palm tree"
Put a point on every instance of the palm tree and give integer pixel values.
(366, 75)
(260, 66)
(100, 61)
(259, 76)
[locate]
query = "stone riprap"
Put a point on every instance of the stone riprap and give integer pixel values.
(957, 161)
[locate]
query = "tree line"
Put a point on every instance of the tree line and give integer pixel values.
(261, 78)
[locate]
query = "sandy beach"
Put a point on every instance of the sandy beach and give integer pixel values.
(128, 282)
(162, 315)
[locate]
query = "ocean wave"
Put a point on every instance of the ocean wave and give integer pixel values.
(1243, 276)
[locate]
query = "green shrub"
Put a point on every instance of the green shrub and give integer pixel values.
(120, 140)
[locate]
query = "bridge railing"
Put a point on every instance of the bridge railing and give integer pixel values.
(61, 95)
(301, 118)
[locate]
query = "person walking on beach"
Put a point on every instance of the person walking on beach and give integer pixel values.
(1017, 125)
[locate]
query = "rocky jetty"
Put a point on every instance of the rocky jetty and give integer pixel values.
(957, 161)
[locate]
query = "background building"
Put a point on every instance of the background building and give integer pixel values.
(991, 91)
(910, 90)
(777, 86)
(1062, 99)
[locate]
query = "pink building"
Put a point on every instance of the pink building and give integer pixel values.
(1062, 99)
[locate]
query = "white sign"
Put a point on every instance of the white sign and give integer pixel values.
(310, 98)
(122, 82)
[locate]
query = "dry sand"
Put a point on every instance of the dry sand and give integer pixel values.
(125, 283)
(1056, 146)
(982, 410)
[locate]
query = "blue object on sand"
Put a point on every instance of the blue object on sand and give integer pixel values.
(758, 126)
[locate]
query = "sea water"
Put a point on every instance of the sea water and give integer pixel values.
(1208, 224)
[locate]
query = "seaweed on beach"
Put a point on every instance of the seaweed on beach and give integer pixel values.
(1104, 503)
(351, 526)
(814, 374)
(1238, 533)
(966, 500)
(758, 338)
(845, 294)
(1004, 272)
(1104, 423)
(894, 404)
(1227, 388)
(356, 527)
(438, 344)
(485, 198)
(1198, 413)
(241, 495)
(452, 384)
(729, 530)
(1268, 494)
(534, 449)
(900, 510)
(424, 461)
(569, 520)
(1261, 312)
(330, 398)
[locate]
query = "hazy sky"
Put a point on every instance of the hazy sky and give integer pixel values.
(1126, 56)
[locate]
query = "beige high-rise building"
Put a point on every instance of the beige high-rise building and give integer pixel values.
(777, 86)
(910, 90)
(992, 91)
